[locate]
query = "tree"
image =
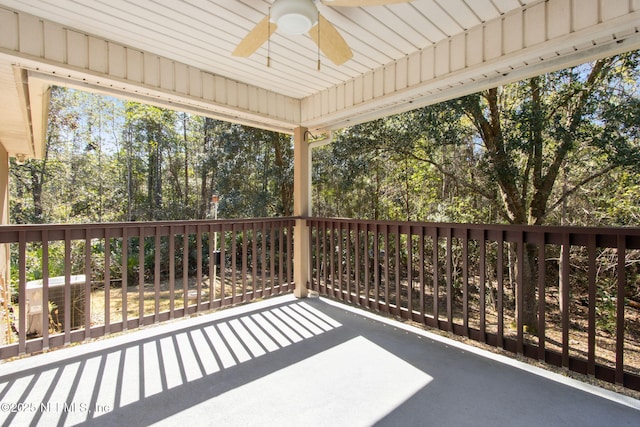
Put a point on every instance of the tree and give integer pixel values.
(110, 160)
(535, 129)
(151, 134)
(253, 172)
(539, 151)
(63, 186)
(419, 165)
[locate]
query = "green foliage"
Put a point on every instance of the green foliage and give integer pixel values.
(108, 160)
(606, 309)
(408, 167)
(559, 148)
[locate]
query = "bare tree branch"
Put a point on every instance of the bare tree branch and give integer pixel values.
(579, 185)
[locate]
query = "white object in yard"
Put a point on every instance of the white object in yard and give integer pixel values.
(35, 302)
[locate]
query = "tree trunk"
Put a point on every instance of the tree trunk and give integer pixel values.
(286, 187)
(129, 178)
(206, 187)
(529, 265)
(186, 159)
(513, 200)
(36, 185)
(202, 211)
(157, 190)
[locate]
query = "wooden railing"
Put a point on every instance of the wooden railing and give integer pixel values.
(565, 295)
(97, 279)
(568, 296)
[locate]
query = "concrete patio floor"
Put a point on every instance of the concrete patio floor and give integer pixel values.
(283, 362)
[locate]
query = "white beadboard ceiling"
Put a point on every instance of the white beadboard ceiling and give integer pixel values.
(203, 33)
(404, 55)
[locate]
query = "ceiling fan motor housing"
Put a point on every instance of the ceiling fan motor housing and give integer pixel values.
(294, 16)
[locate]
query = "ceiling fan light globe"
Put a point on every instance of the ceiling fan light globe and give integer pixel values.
(294, 16)
(294, 24)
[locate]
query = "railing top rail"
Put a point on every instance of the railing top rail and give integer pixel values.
(10, 233)
(555, 229)
(134, 224)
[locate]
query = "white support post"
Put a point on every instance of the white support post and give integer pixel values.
(4, 248)
(301, 208)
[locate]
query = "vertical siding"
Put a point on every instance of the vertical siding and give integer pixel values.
(558, 19)
(208, 87)
(54, 42)
(117, 61)
(513, 25)
(77, 49)
(458, 59)
(31, 35)
(442, 57)
(474, 46)
(9, 34)
(401, 74)
(167, 74)
(134, 61)
(613, 9)
(535, 28)
(535, 33)
(427, 69)
(99, 57)
(414, 69)
(586, 15)
(102, 62)
(493, 40)
(151, 70)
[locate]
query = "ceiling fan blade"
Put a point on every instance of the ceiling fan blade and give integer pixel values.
(256, 38)
(330, 41)
(361, 3)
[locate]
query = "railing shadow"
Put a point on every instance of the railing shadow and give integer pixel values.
(278, 362)
(183, 367)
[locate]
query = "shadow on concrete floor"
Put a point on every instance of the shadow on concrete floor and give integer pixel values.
(294, 362)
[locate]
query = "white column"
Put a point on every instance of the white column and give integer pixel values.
(4, 248)
(4, 186)
(302, 208)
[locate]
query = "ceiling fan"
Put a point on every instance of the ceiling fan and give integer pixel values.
(297, 17)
